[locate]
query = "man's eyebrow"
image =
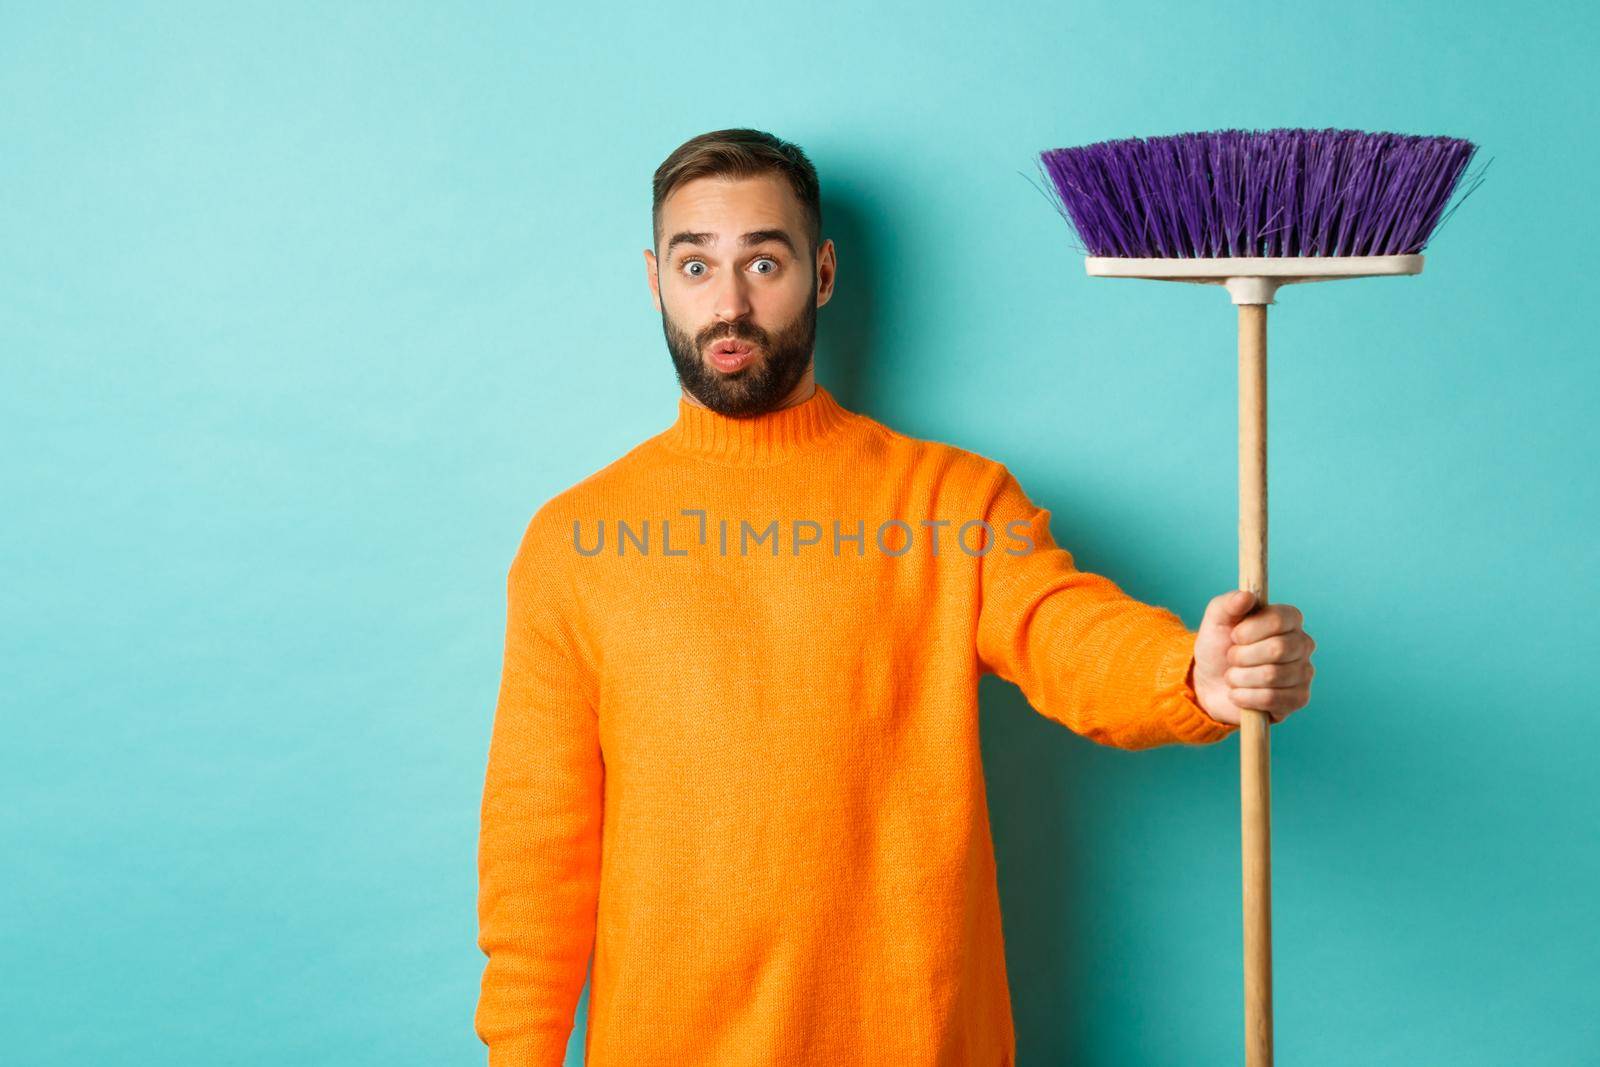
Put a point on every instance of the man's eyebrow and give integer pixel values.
(754, 237)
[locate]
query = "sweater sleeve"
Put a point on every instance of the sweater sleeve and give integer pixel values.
(540, 824)
(1082, 651)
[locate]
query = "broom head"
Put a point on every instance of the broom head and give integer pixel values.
(1282, 204)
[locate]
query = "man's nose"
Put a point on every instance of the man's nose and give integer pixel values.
(733, 303)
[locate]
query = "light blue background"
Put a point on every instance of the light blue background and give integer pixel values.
(304, 309)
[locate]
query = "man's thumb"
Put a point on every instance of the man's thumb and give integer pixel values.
(1229, 608)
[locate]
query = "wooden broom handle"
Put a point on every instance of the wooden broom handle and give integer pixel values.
(1255, 781)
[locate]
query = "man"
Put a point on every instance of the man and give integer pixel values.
(735, 751)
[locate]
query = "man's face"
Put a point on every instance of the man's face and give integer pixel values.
(736, 266)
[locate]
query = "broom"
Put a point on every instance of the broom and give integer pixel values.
(1254, 210)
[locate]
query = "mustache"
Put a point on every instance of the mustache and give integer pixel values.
(735, 334)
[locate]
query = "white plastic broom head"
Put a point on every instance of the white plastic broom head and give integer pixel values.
(1253, 279)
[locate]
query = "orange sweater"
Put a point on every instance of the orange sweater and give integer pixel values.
(735, 751)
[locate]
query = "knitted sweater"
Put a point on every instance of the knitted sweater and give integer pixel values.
(735, 750)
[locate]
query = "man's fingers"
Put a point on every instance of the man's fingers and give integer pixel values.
(1281, 648)
(1271, 675)
(1281, 701)
(1272, 619)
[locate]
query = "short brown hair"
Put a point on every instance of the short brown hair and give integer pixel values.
(740, 153)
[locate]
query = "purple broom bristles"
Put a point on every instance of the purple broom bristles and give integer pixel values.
(1281, 192)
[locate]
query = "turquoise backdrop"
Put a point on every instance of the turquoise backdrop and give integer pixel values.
(305, 308)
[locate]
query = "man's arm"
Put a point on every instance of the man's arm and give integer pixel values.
(1084, 653)
(539, 837)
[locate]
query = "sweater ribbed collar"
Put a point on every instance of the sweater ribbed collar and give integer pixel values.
(756, 440)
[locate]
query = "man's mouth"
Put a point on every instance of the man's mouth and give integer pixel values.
(730, 355)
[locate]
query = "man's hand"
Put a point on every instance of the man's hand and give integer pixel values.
(1245, 658)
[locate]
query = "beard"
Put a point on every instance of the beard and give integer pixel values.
(762, 384)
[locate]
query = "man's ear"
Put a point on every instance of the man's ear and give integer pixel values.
(652, 277)
(827, 270)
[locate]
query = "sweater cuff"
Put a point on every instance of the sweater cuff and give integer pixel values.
(533, 1050)
(1184, 715)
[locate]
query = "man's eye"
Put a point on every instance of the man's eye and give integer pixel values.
(689, 263)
